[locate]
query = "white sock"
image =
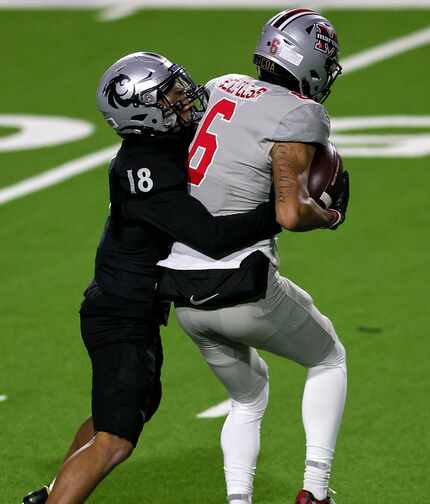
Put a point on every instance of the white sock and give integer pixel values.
(239, 499)
(317, 472)
(240, 442)
(322, 410)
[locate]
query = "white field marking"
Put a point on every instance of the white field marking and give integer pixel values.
(41, 131)
(68, 170)
(382, 145)
(386, 50)
(57, 175)
(55, 4)
(3, 398)
(197, 4)
(219, 410)
(119, 10)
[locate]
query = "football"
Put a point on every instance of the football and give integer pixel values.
(324, 175)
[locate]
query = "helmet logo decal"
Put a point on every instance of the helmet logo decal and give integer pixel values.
(326, 40)
(274, 46)
(119, 92)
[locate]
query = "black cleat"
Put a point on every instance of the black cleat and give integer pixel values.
(37, 497)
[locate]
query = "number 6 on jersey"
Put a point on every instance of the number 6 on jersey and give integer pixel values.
(207, 141)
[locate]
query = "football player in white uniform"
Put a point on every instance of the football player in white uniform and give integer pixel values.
(255, 133)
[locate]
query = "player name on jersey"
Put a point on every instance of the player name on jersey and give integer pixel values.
(242, 88)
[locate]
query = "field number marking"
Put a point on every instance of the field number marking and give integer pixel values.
(41, 131)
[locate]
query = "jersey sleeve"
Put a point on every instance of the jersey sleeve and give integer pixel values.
(186, 220)
(307, 123)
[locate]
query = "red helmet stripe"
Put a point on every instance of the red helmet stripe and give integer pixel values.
(289, 14)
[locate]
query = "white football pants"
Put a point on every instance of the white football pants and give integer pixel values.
(286, 323)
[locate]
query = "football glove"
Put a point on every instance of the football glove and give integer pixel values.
(340, 202)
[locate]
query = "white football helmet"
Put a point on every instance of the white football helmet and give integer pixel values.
(132, 95)
(299, 49)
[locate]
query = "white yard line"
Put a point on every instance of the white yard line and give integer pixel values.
(118, 10)
(57, 175)
(219, 410)
(350, 64)
(55, 4)
(386, 50)
(3, 398)
(198, 4)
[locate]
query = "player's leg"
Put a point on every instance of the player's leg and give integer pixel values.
(294, 328)
(244, 375)
(126, 392)
(81, 473)
(84, 434)
(287, 323)
(309, 338)
(322, 409)
(84, 470)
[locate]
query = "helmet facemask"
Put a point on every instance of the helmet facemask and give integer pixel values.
(181, 101)
(333, 69)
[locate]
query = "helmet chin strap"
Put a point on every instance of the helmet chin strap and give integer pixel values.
(171, 120)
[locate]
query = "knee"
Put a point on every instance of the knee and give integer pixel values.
(257, 397)
(336, 357)
(115, 448)
(340, 353)
(252, 408)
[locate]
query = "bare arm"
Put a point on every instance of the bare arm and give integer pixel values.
(295, 209)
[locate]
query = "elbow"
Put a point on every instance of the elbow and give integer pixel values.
(289, 218)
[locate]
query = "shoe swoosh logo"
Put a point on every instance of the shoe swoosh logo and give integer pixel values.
(197, 302)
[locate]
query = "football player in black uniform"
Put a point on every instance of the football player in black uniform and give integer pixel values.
(153, 104)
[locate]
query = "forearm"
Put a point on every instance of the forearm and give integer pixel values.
(295, 209)
(234, 232)
(186, 220)
(305, 216)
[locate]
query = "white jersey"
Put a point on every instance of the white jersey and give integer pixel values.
(230, 165)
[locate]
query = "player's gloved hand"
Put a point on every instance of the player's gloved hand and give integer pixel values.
(340, 202)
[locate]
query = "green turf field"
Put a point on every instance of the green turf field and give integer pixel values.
(370, 277)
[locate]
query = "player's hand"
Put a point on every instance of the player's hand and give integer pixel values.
(340, 203)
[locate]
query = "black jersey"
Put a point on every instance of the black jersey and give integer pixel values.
(127, 256)
(151, 208)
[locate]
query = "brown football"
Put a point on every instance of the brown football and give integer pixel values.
(324, 181)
